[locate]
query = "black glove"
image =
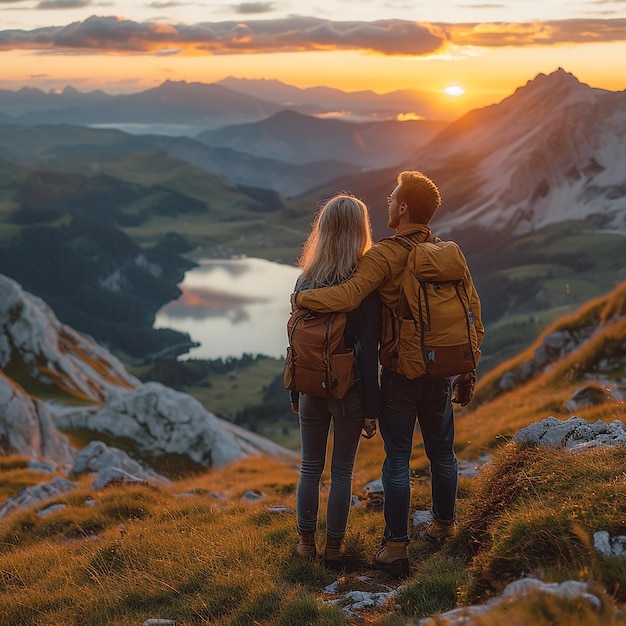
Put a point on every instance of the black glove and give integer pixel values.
(463, 388)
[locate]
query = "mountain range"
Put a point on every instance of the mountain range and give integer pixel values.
(554, 150)
(196, 106)
(534, 187)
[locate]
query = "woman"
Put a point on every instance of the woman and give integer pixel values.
(340, 236)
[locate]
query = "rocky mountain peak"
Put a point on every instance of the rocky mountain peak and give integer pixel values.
(35, 345)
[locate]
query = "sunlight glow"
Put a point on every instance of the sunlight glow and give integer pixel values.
(454, 90)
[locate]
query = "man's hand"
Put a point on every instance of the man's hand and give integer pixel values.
(463, 388)
(369, 428)
(295, 407)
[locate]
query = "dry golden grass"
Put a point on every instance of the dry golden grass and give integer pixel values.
(198, 553)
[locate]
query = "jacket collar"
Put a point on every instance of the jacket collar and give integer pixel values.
(411, 229)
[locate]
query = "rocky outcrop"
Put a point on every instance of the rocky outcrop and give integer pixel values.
(518, 591)
(554, 347)
(110, 464)
(36, 495)
(574, 433)
(33, 339)
(160, 421)
(157, 419)
(26, 426)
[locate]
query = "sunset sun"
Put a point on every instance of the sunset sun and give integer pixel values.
(454, 90)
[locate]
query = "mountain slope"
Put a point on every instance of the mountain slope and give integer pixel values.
(192, 104)
(296, 138)
(553, 151)
(360, 105)
(89, 147)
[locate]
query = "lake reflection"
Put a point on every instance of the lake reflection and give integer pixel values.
(232, 307)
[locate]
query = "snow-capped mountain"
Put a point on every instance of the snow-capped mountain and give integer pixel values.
(555, 150)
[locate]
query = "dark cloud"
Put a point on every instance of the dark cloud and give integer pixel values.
(389, 37)
(63, 4)
(104, 34)
(250, 8)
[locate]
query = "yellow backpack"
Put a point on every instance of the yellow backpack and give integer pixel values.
(433, 326)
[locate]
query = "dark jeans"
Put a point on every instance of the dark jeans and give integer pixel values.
(316, 415)
(402, 401)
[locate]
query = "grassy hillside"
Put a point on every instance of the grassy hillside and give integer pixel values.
(197, 552)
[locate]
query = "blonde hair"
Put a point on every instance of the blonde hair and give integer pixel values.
(340, 236)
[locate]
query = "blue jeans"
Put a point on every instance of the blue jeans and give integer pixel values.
(402, 401)
(316, 415)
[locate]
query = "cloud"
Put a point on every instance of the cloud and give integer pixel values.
(248, 8)
(482, 6)
(63, 4)
(389, 37)
(537, 33)
(166, 4)
(113, 34)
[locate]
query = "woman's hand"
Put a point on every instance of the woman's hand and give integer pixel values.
(369, 428)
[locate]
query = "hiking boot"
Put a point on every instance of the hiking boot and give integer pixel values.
(436, 531)
(393, 557)
(306, 545)
(332, 552)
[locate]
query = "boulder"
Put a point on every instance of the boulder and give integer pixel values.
(36, 495)
(112, 465)
(589, 395)
(26, 426)
(574, 433)
(159, 421)
(53, 353)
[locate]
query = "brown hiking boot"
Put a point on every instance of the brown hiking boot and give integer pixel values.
(393, 557)
(332, 552)
(306, 545)
(436, 531)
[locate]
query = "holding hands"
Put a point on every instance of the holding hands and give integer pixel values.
(369, 428)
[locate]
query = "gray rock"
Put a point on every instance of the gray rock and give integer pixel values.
(375, 486)
(516, 591)
(41, 466)
(252, 496)
(574, 433)
(590, 395)
(421, 517)
(51, 509)
(352, 602)
(612, 547)
(112, 464)
(160, 421)
(115, 475)
(53, 352)
(26, 426)
(36, 495)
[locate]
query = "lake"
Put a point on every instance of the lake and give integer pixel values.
(232, 307)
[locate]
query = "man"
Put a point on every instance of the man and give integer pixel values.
(411, 206)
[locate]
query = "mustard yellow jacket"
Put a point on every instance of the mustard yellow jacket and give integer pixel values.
(381, 269)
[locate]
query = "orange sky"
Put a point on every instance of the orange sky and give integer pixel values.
(43, 44)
